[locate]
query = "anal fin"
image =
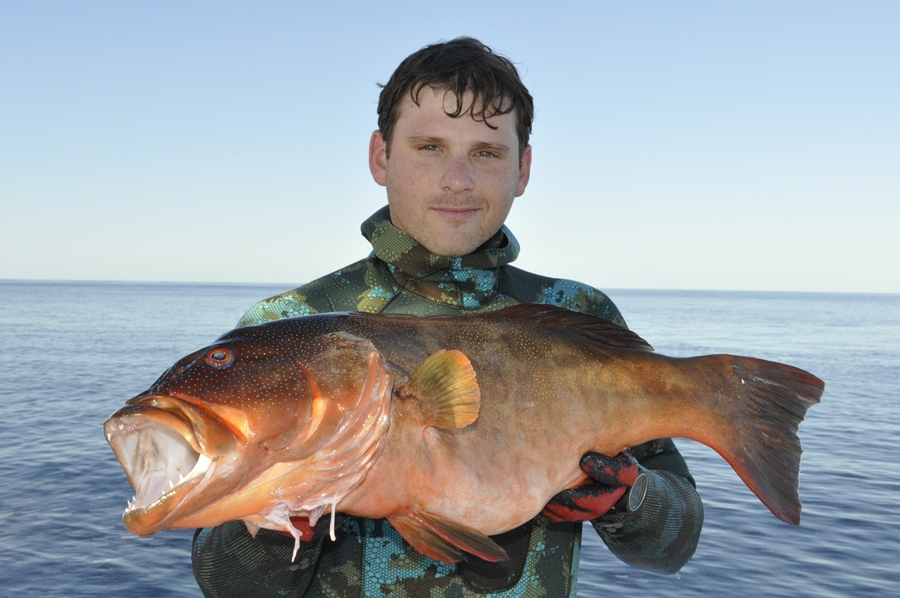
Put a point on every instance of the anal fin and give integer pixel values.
(444, 540)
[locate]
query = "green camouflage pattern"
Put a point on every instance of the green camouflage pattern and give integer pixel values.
(369, 557)
(401, 276)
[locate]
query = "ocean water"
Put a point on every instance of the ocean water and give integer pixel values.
(71, 353)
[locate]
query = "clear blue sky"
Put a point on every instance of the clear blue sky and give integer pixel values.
(677, 145)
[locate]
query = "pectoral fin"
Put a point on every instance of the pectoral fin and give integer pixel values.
(444, 540)
(445, 386)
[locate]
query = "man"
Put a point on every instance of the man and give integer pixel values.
(452, 150)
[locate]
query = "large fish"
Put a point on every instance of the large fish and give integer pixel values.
(452, 428)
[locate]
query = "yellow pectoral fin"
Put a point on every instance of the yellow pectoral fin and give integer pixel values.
(444, 540)
(446, 388)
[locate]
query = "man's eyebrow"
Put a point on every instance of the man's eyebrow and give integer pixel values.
(496, 147)
(425, 139)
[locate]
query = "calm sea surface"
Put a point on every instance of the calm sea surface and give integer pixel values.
(71, 353)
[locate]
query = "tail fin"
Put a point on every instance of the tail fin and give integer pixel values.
(764, 450)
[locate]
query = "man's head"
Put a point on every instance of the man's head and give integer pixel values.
(452, 144)
(463, 66)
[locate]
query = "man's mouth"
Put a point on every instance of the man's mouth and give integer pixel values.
(456, 213)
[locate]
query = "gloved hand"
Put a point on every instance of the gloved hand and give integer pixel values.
(614, 477)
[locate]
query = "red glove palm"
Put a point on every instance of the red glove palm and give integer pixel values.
(613, 477)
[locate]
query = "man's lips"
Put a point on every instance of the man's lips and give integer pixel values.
(455, 213)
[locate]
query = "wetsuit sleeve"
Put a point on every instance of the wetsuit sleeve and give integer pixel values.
(662, 535)
(228, 561)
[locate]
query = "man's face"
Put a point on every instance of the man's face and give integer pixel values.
(450, 181)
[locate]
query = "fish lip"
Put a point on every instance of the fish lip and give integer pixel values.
(161, 463)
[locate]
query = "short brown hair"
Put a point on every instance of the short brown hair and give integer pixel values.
(461, 65)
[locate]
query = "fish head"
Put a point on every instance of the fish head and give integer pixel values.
(259, 426)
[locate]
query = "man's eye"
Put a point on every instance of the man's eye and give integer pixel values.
(486, 154)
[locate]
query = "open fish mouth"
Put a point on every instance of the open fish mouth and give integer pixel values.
(165, 446)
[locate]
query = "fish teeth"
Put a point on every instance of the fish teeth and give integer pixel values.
(151, 484)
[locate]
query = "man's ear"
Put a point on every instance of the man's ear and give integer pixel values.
(378, 158)
(524, 171)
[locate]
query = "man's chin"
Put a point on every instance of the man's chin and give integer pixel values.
(450, 247)
(450, 232)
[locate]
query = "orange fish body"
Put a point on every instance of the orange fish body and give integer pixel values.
(452, 428)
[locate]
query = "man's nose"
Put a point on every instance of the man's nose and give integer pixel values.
(457, 176)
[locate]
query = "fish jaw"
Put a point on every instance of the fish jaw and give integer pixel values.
(179, 458)
(155, 449)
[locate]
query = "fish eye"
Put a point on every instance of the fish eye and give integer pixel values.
(219, 357)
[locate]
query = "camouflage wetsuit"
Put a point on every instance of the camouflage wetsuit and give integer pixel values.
(369, 557)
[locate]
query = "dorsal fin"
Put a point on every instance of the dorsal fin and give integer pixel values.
(575, 323)
(445, 386)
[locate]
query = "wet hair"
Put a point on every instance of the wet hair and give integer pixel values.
(461, 65)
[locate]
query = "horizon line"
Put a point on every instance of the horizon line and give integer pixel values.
(293, 285)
